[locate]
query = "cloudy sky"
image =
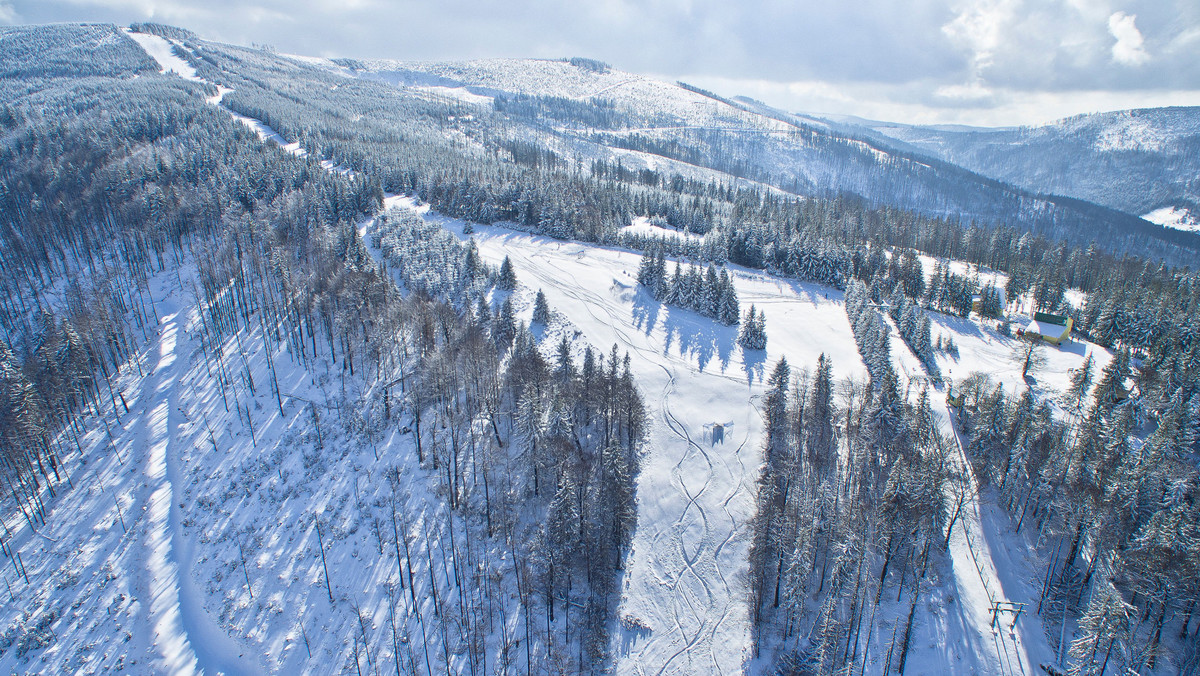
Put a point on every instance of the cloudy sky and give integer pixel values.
(990, 62)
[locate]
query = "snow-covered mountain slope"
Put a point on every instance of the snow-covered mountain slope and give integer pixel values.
(244, 507)
(584, 108)
(1179, 218)
(1137, 161)
(683, 607)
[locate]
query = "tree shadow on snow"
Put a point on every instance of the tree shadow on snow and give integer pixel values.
(1074, 347)
(645, 311)
(754, 364)
(631, 633)
(960, 325)
(697, 336)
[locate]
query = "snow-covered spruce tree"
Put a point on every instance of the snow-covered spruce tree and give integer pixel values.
(989, 303)
(541, 310)
(753, 334)
(706, 291)
(729, 309)
(507, 279)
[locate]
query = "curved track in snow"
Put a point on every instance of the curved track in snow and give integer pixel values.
(685, 578)
(186, 638)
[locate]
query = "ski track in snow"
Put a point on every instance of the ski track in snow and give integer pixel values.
(686, 574)
(187, 639)
(696, 609)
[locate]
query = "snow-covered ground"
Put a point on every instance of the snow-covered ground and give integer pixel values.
(686, 578)
(981, 348)
(1174, 217)
(162, 51)
(643, 227)
(964, 269)
(989, 563)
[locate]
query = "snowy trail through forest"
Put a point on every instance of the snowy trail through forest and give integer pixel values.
(684, 601)
(1000, 647)
(187, 639)
(693, 503)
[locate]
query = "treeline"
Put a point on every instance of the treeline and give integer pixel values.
(708, 293)
(430, 260)
(852, 505)
(811, 239)
(853, 500)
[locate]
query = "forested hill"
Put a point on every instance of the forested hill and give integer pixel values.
(1137, 161)
(582, 107)
(203, 368)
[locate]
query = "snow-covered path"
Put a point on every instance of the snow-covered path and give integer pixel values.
(171, 639)
(1015, 648)
(186, 638)
(694, 498)
(162, 51)
(1003, 648)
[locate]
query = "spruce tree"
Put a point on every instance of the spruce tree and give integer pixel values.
(729, 309)
(541, 310)
(508, 276)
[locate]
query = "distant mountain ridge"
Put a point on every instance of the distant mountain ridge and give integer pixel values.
(585, 112)
(1137, 161)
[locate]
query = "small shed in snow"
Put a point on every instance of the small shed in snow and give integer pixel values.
(718, 433)
(1050, 328)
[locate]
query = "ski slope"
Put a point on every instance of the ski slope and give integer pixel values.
(683, 608)
(988, 564)
(684, 605)
(188, 641)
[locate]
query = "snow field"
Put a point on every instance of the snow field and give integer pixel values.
(686, 588)
(643, 226)
(684, 605)
(981, 348)
(161, 50)
(1174, 217)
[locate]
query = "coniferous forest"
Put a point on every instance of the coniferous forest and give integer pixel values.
(312, 308)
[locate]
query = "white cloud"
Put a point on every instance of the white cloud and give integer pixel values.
(974, 92)
(982, 61)
(1130, 47)
(933, 105)
(979, 28)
